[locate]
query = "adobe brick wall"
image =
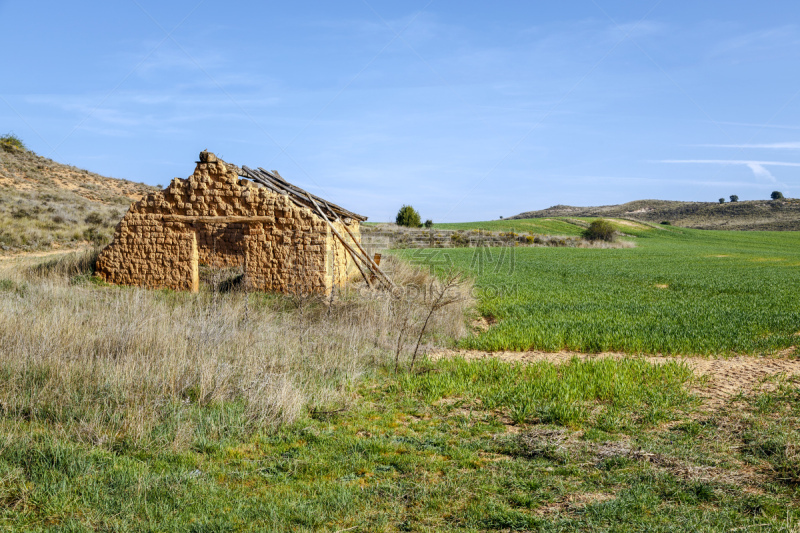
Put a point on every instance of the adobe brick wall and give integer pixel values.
(217, 219)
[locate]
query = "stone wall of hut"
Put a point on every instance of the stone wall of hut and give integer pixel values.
(214, 218)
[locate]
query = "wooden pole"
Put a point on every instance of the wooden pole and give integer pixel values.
(344, 242)
(374, 267)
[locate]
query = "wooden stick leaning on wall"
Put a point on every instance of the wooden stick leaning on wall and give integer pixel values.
(365, 258)
(359, 260)
(376, 270)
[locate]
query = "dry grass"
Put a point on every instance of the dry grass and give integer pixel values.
(31, 220)
(120, 364)
(46, 204)
(68, 265)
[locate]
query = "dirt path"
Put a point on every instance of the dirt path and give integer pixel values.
(726, 377)
(44, 253)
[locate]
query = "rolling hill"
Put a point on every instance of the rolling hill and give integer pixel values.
(45, 204)
(764, 215)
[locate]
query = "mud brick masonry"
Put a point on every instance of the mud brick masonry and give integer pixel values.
(284, 238)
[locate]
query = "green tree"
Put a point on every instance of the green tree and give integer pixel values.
(776, 195)
(429, 223)
(409, 217)
(722, 200)
(600, 230)
(734, 198)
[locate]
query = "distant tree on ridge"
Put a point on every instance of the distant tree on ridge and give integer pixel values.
(408, 216)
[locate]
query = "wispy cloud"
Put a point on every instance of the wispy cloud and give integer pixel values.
(649, 180)
(759, 171)
(770, 146)
(760, 126)
(758, 167)
(758, 42)
(732, 162)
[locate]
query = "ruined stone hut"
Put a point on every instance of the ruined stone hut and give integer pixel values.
(282, 237)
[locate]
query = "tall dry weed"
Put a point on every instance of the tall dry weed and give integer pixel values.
(117, 365)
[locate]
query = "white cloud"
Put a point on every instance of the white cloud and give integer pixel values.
(758, 167)
(758, 42)
(648, 180)
(772, 146)
(760, 172)
(760, 126)
(732, 162)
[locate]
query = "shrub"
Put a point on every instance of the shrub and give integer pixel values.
(10, 142)
(600, 230)
(666, 223)
(776, 195)
(97, 236)
(722, 200)
(409, 217)
(429, 223)
(734, 198)
(94, 218)
(459, 239)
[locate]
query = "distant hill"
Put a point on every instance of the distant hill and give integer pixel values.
(45, 204)
(764, 215)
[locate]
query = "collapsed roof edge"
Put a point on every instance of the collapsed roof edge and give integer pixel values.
(275, 182)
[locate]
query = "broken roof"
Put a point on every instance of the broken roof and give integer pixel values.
(273, 181)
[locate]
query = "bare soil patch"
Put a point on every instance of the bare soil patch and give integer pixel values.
(573, 503)
(44, 253)
(630, 224)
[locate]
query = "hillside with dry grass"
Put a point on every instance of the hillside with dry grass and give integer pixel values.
(764, 215)
(45, 204)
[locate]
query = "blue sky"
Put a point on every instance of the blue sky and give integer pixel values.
(466, 110)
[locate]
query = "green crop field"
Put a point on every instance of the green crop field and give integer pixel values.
(679, 291)
(545, 226)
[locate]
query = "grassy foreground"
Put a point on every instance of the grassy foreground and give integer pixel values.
(425, 452)
(130, 410)
(678, 291)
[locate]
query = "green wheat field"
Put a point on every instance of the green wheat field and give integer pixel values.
(679, 291)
